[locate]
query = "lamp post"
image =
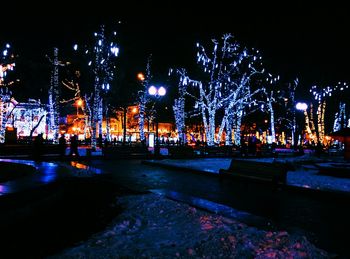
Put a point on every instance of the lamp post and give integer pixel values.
(298, 125)
(157, 92)
(79, 103)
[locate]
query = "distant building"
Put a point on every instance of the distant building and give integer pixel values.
(29, 119)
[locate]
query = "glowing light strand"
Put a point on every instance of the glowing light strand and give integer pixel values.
(102, 64)
(6, 64)
(230, 71)
(179, 105)
(54, 95)
(321, 95)
(143, 98)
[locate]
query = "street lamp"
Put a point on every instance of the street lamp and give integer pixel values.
(301, 106)
(79, 103)
(298, 125)
(141, 76)
(157, 92)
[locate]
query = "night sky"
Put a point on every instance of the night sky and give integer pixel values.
(308, 42)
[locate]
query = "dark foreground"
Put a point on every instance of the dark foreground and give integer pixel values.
(99, 220)
(98, 217)
(53, 217)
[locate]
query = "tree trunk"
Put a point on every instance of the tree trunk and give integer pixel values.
(142, 120)
(237, 128)
(210, 129)
(272, 122)
(228, 137)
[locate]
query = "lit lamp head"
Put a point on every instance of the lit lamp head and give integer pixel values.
(140, 76)
(161, 91)
(301, 106)
(152, 90)
(80, 102)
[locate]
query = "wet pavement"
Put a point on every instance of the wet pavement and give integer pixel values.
(46, 173)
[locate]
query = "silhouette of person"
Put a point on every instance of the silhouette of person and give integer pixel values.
(74, 146)
(38, 146)
(62, 145)
(244, 148)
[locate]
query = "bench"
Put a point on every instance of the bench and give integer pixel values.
(273, 172)
(266, 151)
(181, 152)
(335, 152)
(218, 151)
(115, 152)
(341, 170)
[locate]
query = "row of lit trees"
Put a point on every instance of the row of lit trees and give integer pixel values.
(232, 83)
(321, 96)
(101, 61)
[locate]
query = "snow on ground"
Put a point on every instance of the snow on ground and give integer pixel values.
(305, 174)
(169, 229)
(308, 177)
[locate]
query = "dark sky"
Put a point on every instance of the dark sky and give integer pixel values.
(310, 42)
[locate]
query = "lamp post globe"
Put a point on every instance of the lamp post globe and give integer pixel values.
(161, 91)
(301, 106)
(152, 90)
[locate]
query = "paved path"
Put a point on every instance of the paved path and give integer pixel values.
(305, 176)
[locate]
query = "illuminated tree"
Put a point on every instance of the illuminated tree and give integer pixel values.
(103, 66)
(279, 104)
(6, 64)
(321, 95)
(272, 98)
(5, 97)
(286, 117)
(54, 95)
(229, 84)
(340, 118)
(76, 99)
(179, 104)
(143, 97)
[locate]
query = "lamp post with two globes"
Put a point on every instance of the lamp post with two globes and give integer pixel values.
(157, 92)
(299, 123)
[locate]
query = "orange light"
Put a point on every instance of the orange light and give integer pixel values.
(134, 110)
(80, 102)
(140, 76)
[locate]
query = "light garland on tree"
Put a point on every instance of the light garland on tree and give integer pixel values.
(6, 64)
(229, 75)
(321, 95)
(102, 63)
(179, 104)
(270, 100)
(54, 96)
(143, 97)
(340, 118)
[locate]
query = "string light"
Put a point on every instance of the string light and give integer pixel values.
(102, 63)
(231, 71)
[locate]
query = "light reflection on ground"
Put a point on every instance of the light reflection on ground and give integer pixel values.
(47, 172)
(78, 165)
